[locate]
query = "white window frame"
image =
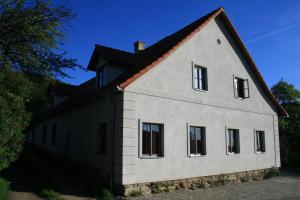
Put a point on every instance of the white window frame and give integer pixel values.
(189, 154)
(140, 139)
(255, 141)
(246, 88)
(197, 79)
(227, 140)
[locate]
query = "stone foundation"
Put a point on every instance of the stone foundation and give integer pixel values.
(197, 182)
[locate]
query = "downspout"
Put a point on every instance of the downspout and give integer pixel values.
(274, 133)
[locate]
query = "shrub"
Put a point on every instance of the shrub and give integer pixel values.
(4, 189)
(105, 195)
(136, 193)
(51, 195)
(272, 173)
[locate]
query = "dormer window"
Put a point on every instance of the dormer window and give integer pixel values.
(100, 76)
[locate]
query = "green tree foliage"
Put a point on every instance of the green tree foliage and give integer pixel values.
(31, 58)
(14, 93)
(289, 128)
(31, 37)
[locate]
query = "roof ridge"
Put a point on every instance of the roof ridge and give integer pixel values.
(111, 48)
(220, 9)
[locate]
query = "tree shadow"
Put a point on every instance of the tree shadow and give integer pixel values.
(36, 170)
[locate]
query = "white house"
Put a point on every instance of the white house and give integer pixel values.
(191, 105)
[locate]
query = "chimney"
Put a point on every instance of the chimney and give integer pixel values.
(139, 46)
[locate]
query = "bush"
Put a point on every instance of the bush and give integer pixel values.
(136, 193)
(272, 173)
(105, 195)
(4, 189)
(51, 195)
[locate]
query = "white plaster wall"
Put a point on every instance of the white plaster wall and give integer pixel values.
(165, 95)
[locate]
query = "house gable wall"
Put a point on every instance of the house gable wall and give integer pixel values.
(165, 95)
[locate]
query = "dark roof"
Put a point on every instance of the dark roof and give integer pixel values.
(140, 63)
(115, 55)
(63, 89)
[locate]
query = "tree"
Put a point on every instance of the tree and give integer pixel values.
(31, 37)
(31, 57)
(14, 93)
(286, 93)
(289, 128)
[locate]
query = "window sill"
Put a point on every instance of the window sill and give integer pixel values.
(151, 157)
(200, 90)
(196, 156)
(232, 153)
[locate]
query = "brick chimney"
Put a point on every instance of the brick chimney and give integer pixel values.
(139, 46)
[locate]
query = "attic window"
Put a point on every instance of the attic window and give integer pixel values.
(241, 88)
(100, 77)
(200, 78)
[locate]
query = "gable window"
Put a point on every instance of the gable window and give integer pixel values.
(199, 78)
(152, 140)
(102, 132)
(44, 136)
(33, 135)
(54, 135)
(197, 141)
(233, 141)
(260, 141)
(100, 77)
(241, 88)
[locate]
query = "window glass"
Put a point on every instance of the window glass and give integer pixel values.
(102, 132)
(260, 141)
(54, 134)
(44, 136)
(152, 139)
(146, 139)
(200, 78)
(197, 141)
(241, 89)
(233, 143)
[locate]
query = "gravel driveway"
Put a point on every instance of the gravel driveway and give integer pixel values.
(286, 187)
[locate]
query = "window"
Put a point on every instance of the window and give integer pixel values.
(200, 78)
(100, 76)
(33, 134)
(260, 141)
(233, 141)
(197, 141)
(241, 88)
(44, 136)
(53, 136)
(102, 131)
(152, 140)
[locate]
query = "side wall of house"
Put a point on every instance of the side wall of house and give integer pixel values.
(165, 95)
(77, 133)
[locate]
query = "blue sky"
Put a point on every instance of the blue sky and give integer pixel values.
(269, 28)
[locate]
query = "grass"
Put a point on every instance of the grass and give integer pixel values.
(136, 193)
(272, 173)
(4, 189)
(51, 195)
(105, 194)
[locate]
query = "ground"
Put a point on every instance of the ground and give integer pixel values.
(285, 187)
(30, 174)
